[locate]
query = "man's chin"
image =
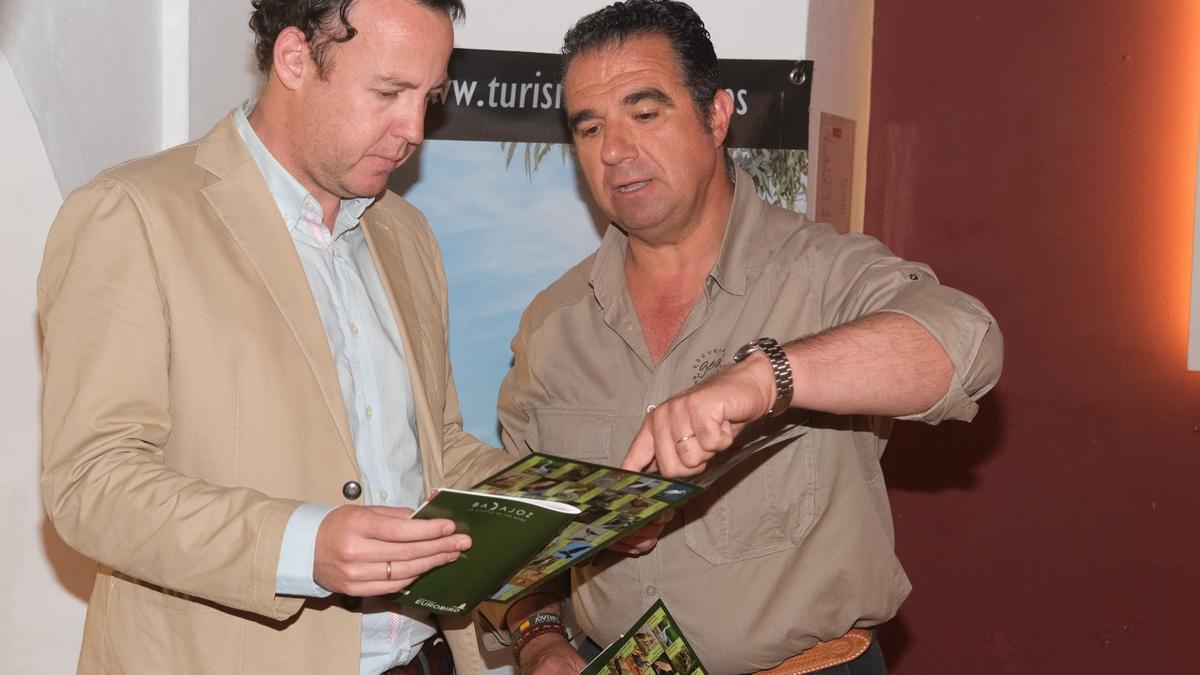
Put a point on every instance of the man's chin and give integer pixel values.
(639, 221)
(368, 189)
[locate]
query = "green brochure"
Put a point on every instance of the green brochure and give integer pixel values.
(505, 533)
(522, 535)
(653, 645)
(531, 521)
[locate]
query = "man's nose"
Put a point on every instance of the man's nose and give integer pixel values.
(618, 144)
(409, 125)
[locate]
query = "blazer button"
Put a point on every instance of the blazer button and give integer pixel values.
(351, 602)
(351, 490)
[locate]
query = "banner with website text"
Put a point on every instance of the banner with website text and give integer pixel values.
(497, 180)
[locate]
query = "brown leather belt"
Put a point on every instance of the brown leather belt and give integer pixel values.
(825, 654)
(433, 659)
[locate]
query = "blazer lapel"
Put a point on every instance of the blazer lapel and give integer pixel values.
(242, 201)
(389, 254)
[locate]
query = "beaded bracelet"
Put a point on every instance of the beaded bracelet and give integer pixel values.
(527, 634)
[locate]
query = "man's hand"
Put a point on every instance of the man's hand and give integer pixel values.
(643, 540)
(357, 546)
(550, 654)
(681, 435)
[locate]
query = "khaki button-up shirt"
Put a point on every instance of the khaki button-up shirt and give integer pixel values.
(793, 546)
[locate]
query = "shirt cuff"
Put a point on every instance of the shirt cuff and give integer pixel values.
(294, 575)
(968, 335)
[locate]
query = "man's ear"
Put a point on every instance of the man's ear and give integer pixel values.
(722, 112)
(291, 57)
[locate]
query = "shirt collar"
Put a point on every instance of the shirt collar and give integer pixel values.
(608, 269)
(738, 254)
(301, 212)
(735, 260)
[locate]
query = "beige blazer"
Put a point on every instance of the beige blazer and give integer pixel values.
(191, 403)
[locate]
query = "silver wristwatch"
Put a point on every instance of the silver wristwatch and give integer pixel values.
(779, 365)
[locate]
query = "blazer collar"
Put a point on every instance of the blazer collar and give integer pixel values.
(241, 200)
(398, 263)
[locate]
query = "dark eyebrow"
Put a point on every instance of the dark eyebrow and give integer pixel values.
(650, 94)
(396, 82)
(580, 117)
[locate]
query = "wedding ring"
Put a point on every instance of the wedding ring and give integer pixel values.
(389, 570)
(685, 439)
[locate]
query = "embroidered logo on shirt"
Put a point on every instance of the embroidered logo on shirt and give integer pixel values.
(708, 362)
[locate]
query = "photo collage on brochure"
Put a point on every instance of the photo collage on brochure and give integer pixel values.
(613, 502)
(655, 646)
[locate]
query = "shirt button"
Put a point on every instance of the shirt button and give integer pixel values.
(351, 490)
(651, 591)
(650, 408)
(369, 412)
(383, 495)
(354, 329)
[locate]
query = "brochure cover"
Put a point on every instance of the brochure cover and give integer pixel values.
(506, 531)
(653, 645)
(531, 521)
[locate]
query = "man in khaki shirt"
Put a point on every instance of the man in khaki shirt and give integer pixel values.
(617, 362)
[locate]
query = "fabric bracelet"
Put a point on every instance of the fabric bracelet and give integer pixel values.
(525, 636)
(536, 619)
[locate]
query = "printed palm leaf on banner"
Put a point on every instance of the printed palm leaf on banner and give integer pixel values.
(779, 175)
(534, 154)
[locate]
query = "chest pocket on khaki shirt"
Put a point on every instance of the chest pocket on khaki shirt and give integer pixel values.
(765, 505)
(576, 434)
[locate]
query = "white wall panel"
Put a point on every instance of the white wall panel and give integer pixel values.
(43, 581)
(223, 72)
(90, 70)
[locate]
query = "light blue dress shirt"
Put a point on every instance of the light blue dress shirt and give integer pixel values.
(373, 374)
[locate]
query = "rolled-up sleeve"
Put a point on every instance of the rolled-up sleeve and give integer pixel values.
(866, 278)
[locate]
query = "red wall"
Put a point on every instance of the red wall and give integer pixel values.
(1042, 156)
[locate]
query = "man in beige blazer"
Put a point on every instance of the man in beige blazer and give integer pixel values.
(195, 394)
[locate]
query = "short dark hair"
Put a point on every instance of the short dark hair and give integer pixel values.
(319, 21)
(674, 20)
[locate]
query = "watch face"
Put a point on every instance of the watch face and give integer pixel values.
(745, 351)
(752, 346)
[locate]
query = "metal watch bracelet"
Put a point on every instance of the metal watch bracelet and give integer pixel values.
(780, 366)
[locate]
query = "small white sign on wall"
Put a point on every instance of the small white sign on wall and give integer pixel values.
(835, 171)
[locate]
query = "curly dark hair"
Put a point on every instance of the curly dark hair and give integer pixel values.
(321, 21)
(674, 20)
